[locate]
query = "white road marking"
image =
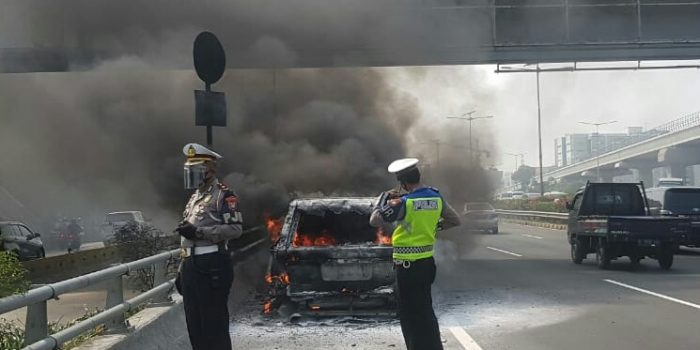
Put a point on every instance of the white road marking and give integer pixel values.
(658, 295)
(531, 236)
(464, 339)
(504, 251)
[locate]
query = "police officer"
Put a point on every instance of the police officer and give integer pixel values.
(418, 214)
(211, 218)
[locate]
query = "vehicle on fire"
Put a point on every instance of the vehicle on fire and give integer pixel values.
(614, 220)
(328, 260)
(480, 216)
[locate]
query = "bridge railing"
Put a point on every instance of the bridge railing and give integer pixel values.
(534, 216)
(37, 335)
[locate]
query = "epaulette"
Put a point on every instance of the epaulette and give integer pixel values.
(223, 186)
(434, 189)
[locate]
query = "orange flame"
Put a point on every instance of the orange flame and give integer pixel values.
(267, 308)
(274, 227)
(283, 278)
(382, 237)
(303, 240)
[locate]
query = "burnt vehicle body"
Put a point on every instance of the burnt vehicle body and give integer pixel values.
(328, 260)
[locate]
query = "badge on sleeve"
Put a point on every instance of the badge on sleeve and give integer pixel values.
(232, 202)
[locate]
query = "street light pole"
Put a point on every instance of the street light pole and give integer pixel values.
(470, 119)
(597, 147)
(539, 130)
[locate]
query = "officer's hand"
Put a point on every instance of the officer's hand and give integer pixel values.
(187, 230)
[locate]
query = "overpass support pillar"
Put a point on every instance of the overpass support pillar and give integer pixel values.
(677, 170)
(646, 174)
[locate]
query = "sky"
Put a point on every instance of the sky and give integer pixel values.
(644, 98)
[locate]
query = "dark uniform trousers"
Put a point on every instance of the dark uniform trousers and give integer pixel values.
(418, 322)
(205, 283)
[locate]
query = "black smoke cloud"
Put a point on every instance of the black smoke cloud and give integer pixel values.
(111, 139)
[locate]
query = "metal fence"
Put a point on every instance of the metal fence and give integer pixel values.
(682, 123)
(113, 317)
(537, 216)
(36, 327)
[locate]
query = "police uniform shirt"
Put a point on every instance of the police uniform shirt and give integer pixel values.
(214, 212)
(449, 216)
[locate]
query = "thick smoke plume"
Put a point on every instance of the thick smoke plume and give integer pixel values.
(110, 138)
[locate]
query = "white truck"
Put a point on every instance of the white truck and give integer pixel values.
(118, 219)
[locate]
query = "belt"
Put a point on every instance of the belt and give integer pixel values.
(413, 250)
(186, 252)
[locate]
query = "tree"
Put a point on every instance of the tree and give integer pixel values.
(523, 176)
(13, 276)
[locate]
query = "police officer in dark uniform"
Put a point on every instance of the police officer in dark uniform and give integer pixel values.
(417, 214)
(211, 218)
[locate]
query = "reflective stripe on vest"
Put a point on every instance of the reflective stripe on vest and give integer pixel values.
(414, 236)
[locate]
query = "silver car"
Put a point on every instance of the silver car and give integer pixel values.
(480, 216)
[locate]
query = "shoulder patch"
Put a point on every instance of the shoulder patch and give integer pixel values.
(232, 202)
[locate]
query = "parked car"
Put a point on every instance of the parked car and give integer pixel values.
(21, 240)
(679, 201)
(480, 216)
(115, 220)
(670, 181)
(613, 220)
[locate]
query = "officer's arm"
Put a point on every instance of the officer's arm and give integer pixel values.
(387, 214)
(450, 218)
(232, 225)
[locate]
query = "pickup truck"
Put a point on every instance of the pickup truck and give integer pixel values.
(613, 220)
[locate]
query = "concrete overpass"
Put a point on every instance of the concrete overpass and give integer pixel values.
(36, 35)
(676, 149)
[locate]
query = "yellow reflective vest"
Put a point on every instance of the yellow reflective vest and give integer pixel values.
(414, 236)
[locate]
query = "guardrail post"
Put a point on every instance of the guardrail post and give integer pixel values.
(115, 296)
(160, 276)
(37, 324)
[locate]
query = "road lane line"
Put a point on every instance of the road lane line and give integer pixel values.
(658, 295)
(531, 236)
(464, 339)
(504, 251)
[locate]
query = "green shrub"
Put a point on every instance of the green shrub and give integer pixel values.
(13, 276)
(11, 335)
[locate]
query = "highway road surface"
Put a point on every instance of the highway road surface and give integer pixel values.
(519, 290)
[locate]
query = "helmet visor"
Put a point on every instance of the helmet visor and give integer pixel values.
(194, 175)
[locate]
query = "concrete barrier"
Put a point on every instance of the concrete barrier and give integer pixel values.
(60, 267)
(551, 220)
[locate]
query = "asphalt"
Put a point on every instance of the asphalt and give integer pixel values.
(519, 290)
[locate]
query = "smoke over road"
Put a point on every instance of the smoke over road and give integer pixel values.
(109, 138)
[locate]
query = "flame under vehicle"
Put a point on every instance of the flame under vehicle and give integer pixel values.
(327, 260)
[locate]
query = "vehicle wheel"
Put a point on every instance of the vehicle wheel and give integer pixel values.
(602, 256)
(665, 260)
(42, 254)
(495, 230)
(577, 252)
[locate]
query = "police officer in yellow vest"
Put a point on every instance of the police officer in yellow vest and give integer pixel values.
(418, 215)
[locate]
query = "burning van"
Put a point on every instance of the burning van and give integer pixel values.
(328, 260)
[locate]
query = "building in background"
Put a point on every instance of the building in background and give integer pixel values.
(573, 148)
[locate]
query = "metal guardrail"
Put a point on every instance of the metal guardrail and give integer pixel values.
(541, 216)
(36, 326)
